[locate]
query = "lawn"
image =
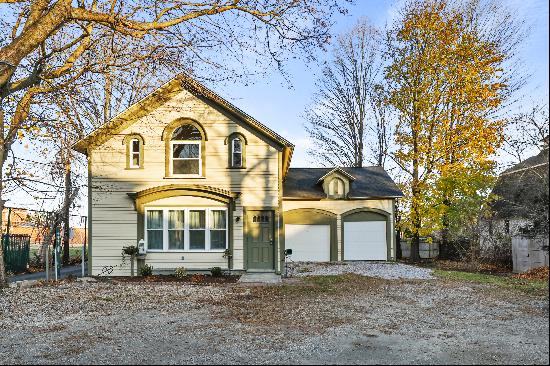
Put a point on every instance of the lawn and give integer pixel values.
(74, 251)
(530, 286)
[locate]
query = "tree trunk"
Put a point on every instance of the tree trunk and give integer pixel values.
(398, 250)
(66, 213)
(444, 252)
(3, 279)
(415, 209)
(415, 248)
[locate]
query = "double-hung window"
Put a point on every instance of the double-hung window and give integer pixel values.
(134, 153)
(218, 230)
(185, 151)
(237, 153)
(176, 229)
(186, 158)
(197, 229)
(155, 228)
(186, 229)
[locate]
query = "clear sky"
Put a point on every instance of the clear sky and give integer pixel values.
(280, 106)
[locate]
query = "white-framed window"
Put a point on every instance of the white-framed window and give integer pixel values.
(186, 158)
(236, 153)
(190, 229)
(135, 153)
(185, 151)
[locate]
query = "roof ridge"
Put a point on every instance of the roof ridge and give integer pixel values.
(188, 83)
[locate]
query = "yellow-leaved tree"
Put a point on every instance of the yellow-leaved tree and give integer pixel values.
(445, 81)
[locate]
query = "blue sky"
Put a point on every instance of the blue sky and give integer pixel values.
(280, 106)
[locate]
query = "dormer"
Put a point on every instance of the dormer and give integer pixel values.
(336, 183)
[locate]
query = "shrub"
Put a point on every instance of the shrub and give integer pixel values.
(180, 272)
(146, 270)
(216, 271)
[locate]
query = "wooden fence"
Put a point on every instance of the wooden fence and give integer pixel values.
(427, 250)
(529, 252)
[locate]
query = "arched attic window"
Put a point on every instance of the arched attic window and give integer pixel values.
(186, 151)
(134, 151)
(236, 150)
(336, 188)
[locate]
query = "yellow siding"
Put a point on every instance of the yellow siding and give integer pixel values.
(114, 217)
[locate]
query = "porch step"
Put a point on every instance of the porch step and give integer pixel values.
(259, 277)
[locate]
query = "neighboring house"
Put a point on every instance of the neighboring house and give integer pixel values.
(23, 221)
(521, 204)
(193, 176)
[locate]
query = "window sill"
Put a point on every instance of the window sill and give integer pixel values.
(185, 177)
(138, 168)
(187, 251)
(236, 167)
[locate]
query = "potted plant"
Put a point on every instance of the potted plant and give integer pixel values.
(132, 251)
(227, 254)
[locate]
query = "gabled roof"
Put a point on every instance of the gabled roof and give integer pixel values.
(522, 187)
(339, 170)
(370, 182)
(158, 96)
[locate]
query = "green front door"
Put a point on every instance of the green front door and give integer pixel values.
(259, 239)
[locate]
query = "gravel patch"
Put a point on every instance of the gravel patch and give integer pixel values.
(362, 320)
(388, 271)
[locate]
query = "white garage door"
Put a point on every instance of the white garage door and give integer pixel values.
(365, 240)
(309, 243)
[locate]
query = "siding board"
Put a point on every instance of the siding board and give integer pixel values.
(114, 217)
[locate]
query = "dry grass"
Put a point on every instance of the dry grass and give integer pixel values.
(309, 304)
(540, 273)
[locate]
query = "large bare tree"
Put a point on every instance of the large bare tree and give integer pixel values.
(53, 47)
(347, 118)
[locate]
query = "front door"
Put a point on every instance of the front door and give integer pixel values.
(260, 241)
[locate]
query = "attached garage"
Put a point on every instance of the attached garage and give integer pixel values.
(311, 234)
(308, 242)
(365, 236)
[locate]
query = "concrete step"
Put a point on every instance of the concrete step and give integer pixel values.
(260, 277)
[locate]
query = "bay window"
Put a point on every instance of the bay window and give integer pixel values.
(186, 229)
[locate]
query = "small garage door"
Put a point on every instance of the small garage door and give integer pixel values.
(309, 243)
(365, 240)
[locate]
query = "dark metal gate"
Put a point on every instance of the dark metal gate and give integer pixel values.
(16, 252)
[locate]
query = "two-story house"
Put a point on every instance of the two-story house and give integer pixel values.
(194, 176)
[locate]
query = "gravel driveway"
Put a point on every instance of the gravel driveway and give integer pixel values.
(320, 320)
(378, 270)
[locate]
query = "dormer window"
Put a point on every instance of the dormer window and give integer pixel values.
(134, 151)
(336, 188)
(336, 183)
(185, 151)
(237, 150)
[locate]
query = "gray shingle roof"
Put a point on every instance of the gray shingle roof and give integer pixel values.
(370, 182)
(522, 188)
